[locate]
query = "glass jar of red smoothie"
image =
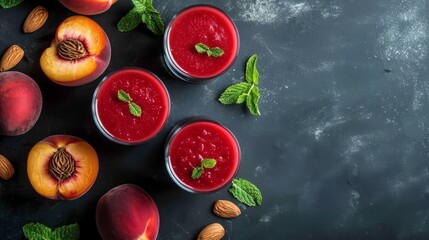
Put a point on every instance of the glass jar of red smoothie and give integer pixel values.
(191, 144)
(116, 101)
(194, 25)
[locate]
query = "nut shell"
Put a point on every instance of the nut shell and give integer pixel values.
(35, 19)
(11, 57)
(213, 231)
(6, 168)
(226, 209)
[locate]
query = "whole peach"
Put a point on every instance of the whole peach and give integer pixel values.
(62, 167)
(127, 212)
(88, 7)
(20, 103)
(79, 53)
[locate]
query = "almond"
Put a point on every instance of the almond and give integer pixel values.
(6, 168)
(35, 19)
(213, 231)
(11, 57)
(226, 209)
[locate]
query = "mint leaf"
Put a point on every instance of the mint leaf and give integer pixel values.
(232, 94)
(10, 3)
(216, 52)
(69, 232)
(135, 109)
(201, 47)
(246, 192)
(152, 19)
(143, 11)
(37, 231)
(211, 52)
(208, 163)
(252, 73)
(139, 5)
(197, 172)
(245, 92)
(130, 21)
(123, 96)
(252, 101)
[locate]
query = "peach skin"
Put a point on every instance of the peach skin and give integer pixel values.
(79, 54)
(62, 167)
(88, 7)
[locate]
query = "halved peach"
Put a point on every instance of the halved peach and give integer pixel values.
(79, 54)
(88, 7)
(62, 167)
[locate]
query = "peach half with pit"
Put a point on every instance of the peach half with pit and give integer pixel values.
(20, 103)
(88, 7)
(62, 167)
(79, 54)
(127, 212)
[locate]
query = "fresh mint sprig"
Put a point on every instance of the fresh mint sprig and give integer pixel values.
(205, 163)
(38, 231)
(246, 192)
(247, 91)
(10, 3)
(211, 52)
(135, 109)
(143, 11)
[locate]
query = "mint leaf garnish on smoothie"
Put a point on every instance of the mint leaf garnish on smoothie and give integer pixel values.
(205, 163)
(246, 192)
(143, 11)
(211, 52)
(135, 109)
(247, 91)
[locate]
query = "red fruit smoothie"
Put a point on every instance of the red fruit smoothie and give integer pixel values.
(195, 141)
(113, 116)
(201, 24)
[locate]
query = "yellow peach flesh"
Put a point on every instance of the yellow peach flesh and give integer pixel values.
(47, 185)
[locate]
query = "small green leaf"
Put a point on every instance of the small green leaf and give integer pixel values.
(252, 74)
(135, 109)
(123, 96)
(153, 21)
(242, 98)
(216, 52)
(36, 231)
(10, 3)
(69, 232)
(139, 5)
(130, 21)
(197, 172)
(246, 192)
(232, 94)
(208, 163)
(252, 101)
(201, 47)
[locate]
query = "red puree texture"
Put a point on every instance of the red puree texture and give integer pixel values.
(146, 91)
(200, 140)
(205, 25)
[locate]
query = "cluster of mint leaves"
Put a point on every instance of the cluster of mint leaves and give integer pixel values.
(143, 11)
(247, 91)
(10, 3)
(135, 109)
(38, 231)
